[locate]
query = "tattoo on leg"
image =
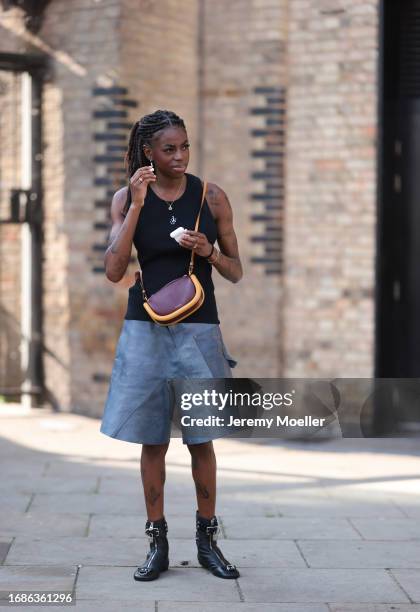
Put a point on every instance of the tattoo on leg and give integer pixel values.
(153, 495)
(202, 490)
(162, 476)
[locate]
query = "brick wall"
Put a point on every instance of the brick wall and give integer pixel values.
(119, 77)
(84, 33)
(95, 50)
(242, 113)
(305, 223)
(330, 191)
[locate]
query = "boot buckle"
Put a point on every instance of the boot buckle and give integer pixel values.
(212, 529)
(230, 567)
(152, 531)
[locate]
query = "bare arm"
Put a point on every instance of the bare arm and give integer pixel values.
(228, 264)
(117, 255)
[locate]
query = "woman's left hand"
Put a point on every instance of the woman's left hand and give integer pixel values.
(197, 242)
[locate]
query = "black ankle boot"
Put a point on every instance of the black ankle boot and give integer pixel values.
(157, 558)
(209, 554)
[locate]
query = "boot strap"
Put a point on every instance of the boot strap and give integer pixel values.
(152, 532)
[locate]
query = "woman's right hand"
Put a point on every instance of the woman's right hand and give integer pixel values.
(138, 184)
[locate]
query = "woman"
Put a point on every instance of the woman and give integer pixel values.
(161, 197)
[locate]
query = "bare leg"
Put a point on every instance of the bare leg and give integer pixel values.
(203, 463)
(153, 475)
(203, 467)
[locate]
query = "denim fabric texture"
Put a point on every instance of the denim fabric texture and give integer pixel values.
(139, 405)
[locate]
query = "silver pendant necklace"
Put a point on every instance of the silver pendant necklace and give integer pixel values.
(173, 219)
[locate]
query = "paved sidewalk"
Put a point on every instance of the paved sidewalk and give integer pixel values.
(327, 526)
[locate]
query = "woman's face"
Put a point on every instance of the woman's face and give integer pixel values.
(170, 151)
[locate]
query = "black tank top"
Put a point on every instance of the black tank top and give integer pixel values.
(162, 259)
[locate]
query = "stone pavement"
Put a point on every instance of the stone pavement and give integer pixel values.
(325, 526)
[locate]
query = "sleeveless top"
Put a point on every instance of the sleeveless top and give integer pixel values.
(162, 259)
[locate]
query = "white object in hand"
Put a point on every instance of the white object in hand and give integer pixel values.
(177, 233)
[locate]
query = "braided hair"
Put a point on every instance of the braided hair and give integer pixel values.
(142, 133)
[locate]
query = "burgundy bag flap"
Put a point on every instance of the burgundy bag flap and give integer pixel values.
(172, 296)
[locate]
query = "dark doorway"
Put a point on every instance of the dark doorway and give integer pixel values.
(21, 365)
(398, 271)
(398, 238)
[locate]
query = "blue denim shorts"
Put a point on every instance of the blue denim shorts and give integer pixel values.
(139, 406)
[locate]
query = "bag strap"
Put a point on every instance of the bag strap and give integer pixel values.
(191, 266)
(139, 274)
